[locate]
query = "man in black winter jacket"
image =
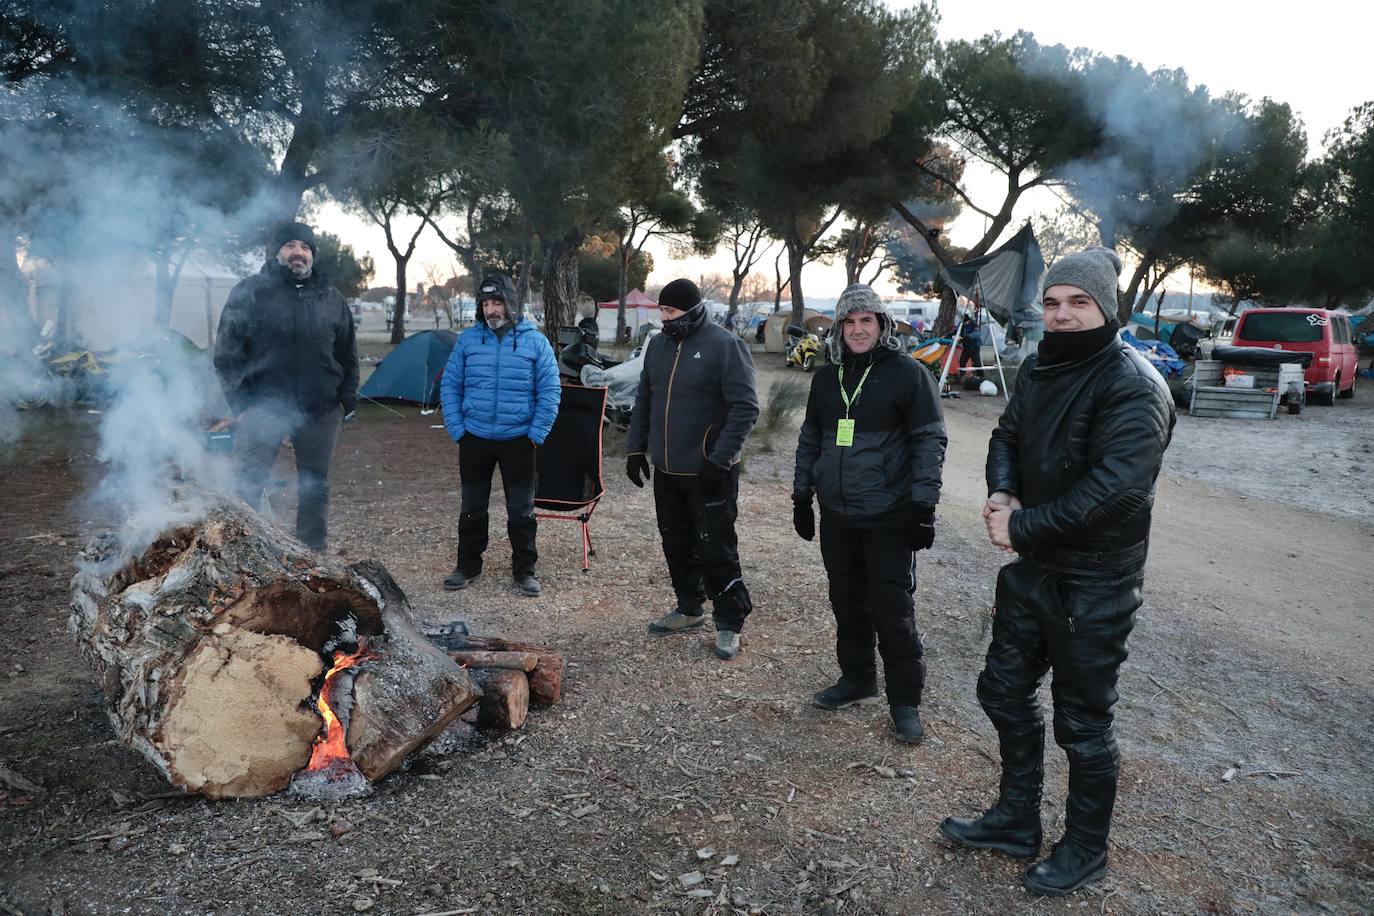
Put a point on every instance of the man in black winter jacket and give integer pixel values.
(287, 360)
(695, 406)
(871, 450)
(1071, 472)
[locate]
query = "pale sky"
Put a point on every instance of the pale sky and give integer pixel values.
(1313, 55)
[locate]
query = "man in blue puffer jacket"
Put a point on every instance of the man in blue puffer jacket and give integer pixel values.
(500, 396)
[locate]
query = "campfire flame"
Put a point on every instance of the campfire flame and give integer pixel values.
(330, 751)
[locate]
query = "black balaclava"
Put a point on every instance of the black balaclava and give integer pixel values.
(684, 296)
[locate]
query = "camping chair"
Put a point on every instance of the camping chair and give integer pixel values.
(569, 462)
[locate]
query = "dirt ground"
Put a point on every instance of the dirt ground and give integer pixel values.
(670, 782)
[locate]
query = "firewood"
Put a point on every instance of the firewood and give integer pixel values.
(209, 645)
(480, 658)
(505, 699)
(546, 680)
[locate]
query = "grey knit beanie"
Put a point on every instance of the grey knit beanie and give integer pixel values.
(860, 297)
(1094, 270)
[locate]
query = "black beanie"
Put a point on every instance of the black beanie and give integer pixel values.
(292, 232)
(680, 294)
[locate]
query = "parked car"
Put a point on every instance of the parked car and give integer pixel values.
(1323, 333)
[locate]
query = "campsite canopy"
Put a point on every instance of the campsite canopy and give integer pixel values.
(1006, 281)
(639, 311)
(411, 371)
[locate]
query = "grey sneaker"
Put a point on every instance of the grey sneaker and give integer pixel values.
(528, 585)
(727, 644)
(676, 622)
(459, 579)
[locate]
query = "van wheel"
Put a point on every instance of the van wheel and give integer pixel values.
(1350, 392)
(1327, 399)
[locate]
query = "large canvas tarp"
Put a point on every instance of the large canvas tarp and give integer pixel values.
(1006, 280)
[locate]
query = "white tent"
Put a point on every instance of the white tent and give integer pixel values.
(108, 310)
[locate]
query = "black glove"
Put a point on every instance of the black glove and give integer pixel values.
(803, 516)
(637, 469)
(920, 527)
(713, 478)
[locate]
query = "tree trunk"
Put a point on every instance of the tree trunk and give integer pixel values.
(522, 283)
(621, 283)
(796, 259)
(1125, 301)
(944, 319)
(398, 319)
(560, 282)
(207, 644)
(735, 287)
(166, 280)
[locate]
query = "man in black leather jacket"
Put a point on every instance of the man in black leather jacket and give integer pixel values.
(1071, 471)
(287, 359)
(870, 450)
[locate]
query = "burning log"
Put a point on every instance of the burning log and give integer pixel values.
(209, 645)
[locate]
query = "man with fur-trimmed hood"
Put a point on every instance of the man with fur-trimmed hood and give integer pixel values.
(870, 451)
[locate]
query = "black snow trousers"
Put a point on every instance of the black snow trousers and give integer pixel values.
(872, 575)
(701, 547)
(1077, 625)
(478, 459)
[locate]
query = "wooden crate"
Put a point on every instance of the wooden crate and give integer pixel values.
(1213, 399)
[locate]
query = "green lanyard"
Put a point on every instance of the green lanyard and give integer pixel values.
(848, 401)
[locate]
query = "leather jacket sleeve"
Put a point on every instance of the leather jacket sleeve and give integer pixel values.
(1130, 433)
(1003, 466)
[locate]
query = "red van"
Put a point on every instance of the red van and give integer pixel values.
(1323, 333)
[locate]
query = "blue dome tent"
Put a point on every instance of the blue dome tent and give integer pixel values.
(411, 371)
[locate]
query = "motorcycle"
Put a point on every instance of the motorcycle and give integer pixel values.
(803, 351)
(577, 348)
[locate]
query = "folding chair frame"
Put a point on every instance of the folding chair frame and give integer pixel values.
(582, 508)
(584, 517)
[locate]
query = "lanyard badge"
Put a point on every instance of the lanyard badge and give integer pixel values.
(844, 432)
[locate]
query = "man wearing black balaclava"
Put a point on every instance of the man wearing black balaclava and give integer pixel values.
(695, 406)
(287, 359)
(1071, 472)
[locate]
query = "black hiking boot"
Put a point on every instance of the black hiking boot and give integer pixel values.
(1069, 867)
(1015, 831)
(527, 585)
(459, 579)
(844, 694)
(906, 720)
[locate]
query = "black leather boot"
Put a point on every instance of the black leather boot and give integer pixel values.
(1069, 867)
(1081, 856)
(1012, 825)
(1008, 828)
